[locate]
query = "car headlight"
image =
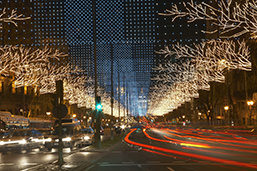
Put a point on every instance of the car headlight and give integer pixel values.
(86, 138)
(123, 126)
(66, 139)
(48, 140)
(1, 143)
(22, 142)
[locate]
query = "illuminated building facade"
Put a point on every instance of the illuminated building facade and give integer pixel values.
(128, 33)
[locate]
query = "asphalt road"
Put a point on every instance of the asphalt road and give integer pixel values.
(155, 149)
(180, 150)
(24, 161)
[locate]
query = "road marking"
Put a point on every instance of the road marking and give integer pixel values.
(153, 162)
(38, 166)
(170, 169)
(27, 164)
(24, 164)
(90, 167)
(128, 162)
(102, 163)
(6, 164)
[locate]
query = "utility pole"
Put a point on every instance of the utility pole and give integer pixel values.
(111, 91)
(246, 97)
(58, 103)
(124, 94)
(119, 91)
(97, 113)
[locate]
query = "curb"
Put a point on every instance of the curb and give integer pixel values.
(84, 166)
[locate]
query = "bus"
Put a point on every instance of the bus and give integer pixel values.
(41, 123)
(9, 121)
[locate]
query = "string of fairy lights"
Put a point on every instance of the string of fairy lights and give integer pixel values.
(33, 68)
(202, 63)
(207, 61)
(231, 19)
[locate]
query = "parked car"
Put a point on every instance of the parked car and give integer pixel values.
(101, 130)
(3, 133)
(45, 131)
(89, 135)
(72, 136)
(22, 139)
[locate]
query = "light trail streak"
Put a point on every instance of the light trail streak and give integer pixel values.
(217, 147)
(219, 140)
(217, 152)
(176, 141)
(167, 155)
(202, 157)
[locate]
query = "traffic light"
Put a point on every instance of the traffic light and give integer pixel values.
(98, 105)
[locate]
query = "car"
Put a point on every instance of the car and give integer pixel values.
(101, 130)
(89, 138)
(45, 131)
(22, 139)
(3, 133)
(72, 136)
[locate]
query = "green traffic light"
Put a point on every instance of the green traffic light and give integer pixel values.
(99, 107)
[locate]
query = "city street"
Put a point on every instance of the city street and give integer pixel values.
(171, 149)
(180, 150)
(175, 80)
(34, 159)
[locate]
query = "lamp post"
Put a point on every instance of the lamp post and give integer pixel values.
(226, 108)
(48, 114)
(199, 116)
(184, 122)
(250, 104)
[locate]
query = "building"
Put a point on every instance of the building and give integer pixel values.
(128, 32)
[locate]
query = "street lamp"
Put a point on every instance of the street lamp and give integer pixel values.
(199, 116)
(184, 123)
(226, 108)
(250, 104)
(48, 113)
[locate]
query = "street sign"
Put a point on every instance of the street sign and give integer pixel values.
(64, 111)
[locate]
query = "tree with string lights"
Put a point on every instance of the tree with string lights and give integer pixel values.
(231, 19)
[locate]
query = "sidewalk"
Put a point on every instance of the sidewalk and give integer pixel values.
(78, 160)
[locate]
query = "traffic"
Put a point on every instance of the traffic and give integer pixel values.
(22, 134)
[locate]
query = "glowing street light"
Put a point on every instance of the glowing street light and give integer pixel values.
(250, 104)
(226, 108)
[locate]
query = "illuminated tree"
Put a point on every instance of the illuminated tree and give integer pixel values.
(12, 18)
(230, 19)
